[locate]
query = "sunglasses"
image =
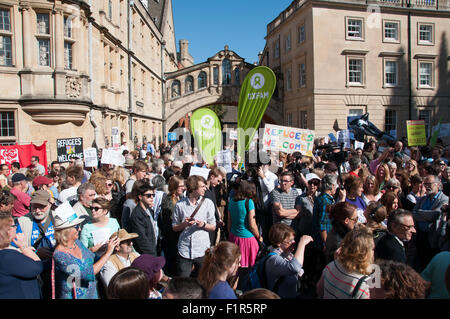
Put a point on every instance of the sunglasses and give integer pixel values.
(95, 208)
(314, 183)
(149, 195)
(77, 227)
(109, 184)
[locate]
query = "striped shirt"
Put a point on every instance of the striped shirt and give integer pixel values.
(339, 284)
(287, 201)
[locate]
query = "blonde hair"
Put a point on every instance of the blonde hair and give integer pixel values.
(99, 182)
(356, 250)
(118, 175)
(62, 236)
(5, 223)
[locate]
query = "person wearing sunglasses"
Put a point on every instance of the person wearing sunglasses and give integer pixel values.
(75, 266)
(101, 224)
(143, 222)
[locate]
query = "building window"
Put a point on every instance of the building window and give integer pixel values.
(355, 71)
(226, 72)
(202, 80)
(110, 9)
(354, 29)
(355, 112)
(7, 124)
(426, 34)
(391, 31)
(288, 42)
(237, 76)
(277, 50)
(44, 52)
(288, 79)
(189, 84)
(289, 119)
(5, 38)
(68, 55)
(302, 76)
(43, 23)
(175, 88)
(301, 34)
(216, 75)
(425, 115)
(391, 73)
(390, 120)
(67, 27)
(303, 119)
(425, 74)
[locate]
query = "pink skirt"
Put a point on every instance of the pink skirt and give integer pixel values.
(249, 249)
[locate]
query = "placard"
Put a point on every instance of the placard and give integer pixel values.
(90, 157)
(343, 136)
(200, 171)
(233, 135)
(288, 139)
(115, 138)
(359, 144)
(111, 156)
(416, 132)
(68, 148)
(223, 159)
(332, 138)
(172, 136)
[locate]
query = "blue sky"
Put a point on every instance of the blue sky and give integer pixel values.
(209, 25)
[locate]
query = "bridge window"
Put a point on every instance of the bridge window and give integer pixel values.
(189, 84)
(237, 75)
(202, 80)
(175, 88)
(226, 72)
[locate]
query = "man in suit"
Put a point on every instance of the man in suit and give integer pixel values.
(430, 220)
(400, 230)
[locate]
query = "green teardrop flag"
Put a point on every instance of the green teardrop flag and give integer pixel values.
(207, 133)
(256, 92)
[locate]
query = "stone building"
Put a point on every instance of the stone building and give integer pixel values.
(339, 58)
(80, 68)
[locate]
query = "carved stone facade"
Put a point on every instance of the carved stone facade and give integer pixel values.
(71, 68)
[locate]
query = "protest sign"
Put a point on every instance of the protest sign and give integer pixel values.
(288, 139)
(343, 136)
(359, 144)
(223, 159)
(68, 148)
(172, 136)
(332, 138)
(415, 130)
(233, 135)
(200, 171)
(90, 157)
(115, 138)
(112, 156)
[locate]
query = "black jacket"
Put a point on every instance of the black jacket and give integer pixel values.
(389, 248)
(141, 224)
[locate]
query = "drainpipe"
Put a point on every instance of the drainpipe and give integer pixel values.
(130, 75)
(410, 99)
(163, 88)
(91, 77)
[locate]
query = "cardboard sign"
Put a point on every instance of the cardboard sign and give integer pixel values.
(288, 139)
(90, 157)
(416, 132)
(68, 148)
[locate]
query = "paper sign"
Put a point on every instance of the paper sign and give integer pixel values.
(90, 157)
(344, 137)
(199, 171)
(233, 135)
(288, 139)
(332, 137)
(111, 156)
(223, 159)
(416, 132)
(67, 148)
(359, 144)
(101, 235)
(115, 138)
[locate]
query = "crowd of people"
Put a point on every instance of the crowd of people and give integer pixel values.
(351, 223)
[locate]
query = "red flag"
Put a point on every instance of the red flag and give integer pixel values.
(23, 153)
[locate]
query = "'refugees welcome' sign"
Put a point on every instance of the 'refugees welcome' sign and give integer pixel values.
(288, 139)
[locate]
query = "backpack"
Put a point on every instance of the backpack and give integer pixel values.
(257, 276)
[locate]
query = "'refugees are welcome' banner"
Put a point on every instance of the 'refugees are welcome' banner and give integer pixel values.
(256, 92)
(288, 139)
(207, 133)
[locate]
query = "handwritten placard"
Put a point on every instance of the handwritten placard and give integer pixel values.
(90, 157)
(199, 171)
(288, 139)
